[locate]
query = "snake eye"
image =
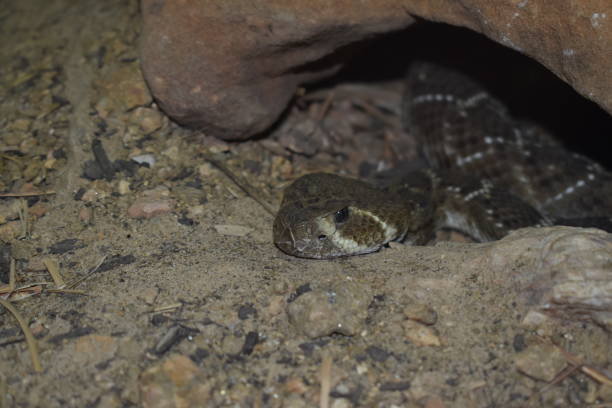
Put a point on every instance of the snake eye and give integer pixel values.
(341, 215)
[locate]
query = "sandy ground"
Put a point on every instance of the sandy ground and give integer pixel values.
(193, 306)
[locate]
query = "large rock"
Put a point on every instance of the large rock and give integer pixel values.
(568, 271)
(230, 68)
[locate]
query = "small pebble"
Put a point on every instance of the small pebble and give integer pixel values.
(605, 393)
(123, 187)
(38, 210)
(275, 307)
(420, 334)
(420, 312)
(10, 230)
(145, 159)
(85, 215)
(295, 385)
(341, 403)
(232, 345)
(149, 208)
(173, 153)
(341, 308)
(195, 211)
(540, 361)
(148, 119)
(148, 295)
(175, 381)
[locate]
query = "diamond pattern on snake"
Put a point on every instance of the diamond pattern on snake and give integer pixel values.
(489, 174)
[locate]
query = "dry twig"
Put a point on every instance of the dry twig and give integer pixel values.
(326, 367)
(30, 340)
(77, 281)
(242, 184)
(27, 194)
(166, 308)
(53, 268)
(12, 276)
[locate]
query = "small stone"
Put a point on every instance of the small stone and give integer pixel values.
(95, 348)
(176, 382)
(377, 354)
(23, 250)
(145, 158)
(341, 403)
(148, 119)
(149, 208)
(195, 211)
(125, 89)
(246, 311)
(342, 308)
(275, 307)
(9, 208)
(295, 385)
(66, 245)
(90, 196)
(85, 215)
(173, 153)
(148, 295)
(50, 163)
(20, 124)
(157, 192)
(32, 170)
(10, 230)
(605, 393)
(420, 334)
(205, 170)
(434, 402)
(109, 401)
(541, 361)
(420, 312)
(232, 345)
(395, 386)
(123, 187)
(233, 230)
(603, 318)
(38, 328)
(534, 319)
(281, 287)
(99, 190)
(37, 264)
(38, 210)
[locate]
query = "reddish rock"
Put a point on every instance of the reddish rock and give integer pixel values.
(150, 207)
(175, 382)
(232, 69)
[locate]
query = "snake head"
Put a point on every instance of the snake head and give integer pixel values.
(326, 234)
(326, 216)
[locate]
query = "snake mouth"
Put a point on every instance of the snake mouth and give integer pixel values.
(302, 239)
(286, 239)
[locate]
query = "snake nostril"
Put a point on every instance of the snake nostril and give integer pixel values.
(322, 237)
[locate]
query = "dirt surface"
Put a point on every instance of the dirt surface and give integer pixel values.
(175, 294)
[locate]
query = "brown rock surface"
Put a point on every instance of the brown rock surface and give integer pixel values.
(570, 274)
(231, 70)
(342, 308)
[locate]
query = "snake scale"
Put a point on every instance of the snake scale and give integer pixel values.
(489, 174)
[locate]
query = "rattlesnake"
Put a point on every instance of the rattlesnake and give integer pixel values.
(489, 175)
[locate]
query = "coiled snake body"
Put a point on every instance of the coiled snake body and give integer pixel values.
(489, 175)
